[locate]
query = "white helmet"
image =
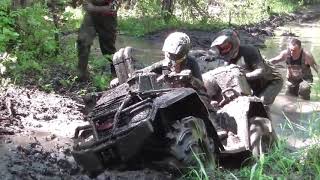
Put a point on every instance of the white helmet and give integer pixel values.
(177, 43)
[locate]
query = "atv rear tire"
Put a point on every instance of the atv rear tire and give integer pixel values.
(190, 143)
(261, 139)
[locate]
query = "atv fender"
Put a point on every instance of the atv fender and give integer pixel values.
(235, 116)
(182, 97)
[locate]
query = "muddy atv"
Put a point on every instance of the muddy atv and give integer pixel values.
(143, 122)
(242, 115)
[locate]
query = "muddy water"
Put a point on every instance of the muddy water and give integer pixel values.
(148, 52)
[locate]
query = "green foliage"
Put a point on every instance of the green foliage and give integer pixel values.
(99, 67)
(316, 90)
(283, 161)
(238, 12)
(148, 8)
(37, 33)
(7, 21)
(147, 16)
(30, 36)
(101, 82)
(283, 6)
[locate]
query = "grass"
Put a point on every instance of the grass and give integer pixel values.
(284, 6)
(282, 162)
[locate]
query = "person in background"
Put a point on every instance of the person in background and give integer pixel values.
(100, 19)
(299, 63)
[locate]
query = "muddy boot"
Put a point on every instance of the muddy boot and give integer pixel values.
(113, 71)
(110, 66)
(83, 54)
(83, 76)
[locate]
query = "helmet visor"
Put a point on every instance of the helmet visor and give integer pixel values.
(224, 48)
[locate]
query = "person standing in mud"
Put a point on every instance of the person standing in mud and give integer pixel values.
(263, 79)
(100, 19)
(299, 63)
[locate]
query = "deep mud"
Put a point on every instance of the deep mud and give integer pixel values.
(36, 128)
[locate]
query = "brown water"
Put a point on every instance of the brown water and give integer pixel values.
(149, 52)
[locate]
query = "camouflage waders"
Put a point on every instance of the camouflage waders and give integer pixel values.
(93, 24)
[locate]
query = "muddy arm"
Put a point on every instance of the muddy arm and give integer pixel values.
(256, 74)
(279, 58)
(310, 60)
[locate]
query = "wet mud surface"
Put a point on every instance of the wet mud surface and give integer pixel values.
(36, 128)
(36, 131)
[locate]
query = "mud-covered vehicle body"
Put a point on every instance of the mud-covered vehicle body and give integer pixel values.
(242, 115)
(143, 121)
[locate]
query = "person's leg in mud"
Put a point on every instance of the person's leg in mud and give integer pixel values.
(304, 90)
(86, 36)
(269, 94)
(107, 30)
(292, 88)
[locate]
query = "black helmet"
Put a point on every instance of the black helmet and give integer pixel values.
(177, 45)
(227, 43)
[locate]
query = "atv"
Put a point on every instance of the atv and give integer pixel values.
(242, 115)
(143, 121)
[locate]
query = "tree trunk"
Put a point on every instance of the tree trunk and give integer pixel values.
(167, 9)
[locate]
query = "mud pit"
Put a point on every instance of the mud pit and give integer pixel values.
(36, 131)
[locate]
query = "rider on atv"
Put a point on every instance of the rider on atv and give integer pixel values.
(176, 48)
(263, 79)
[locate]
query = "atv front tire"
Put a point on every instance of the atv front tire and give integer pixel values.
(190, 144)
(261, 139)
